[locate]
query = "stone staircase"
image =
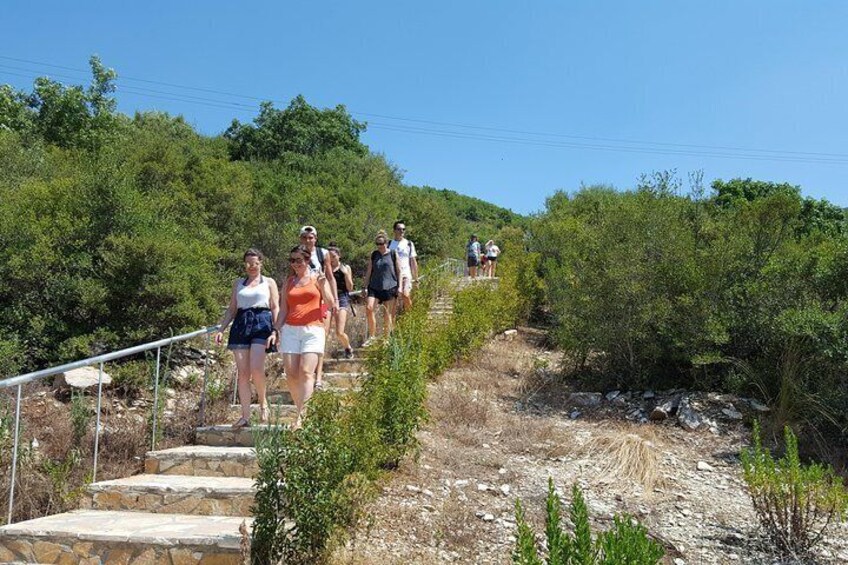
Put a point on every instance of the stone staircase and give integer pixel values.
(187, 506)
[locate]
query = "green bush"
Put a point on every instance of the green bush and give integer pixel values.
(795, 503)
(627, 543)
(320, 476)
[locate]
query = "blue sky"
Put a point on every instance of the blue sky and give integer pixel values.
(560, 84)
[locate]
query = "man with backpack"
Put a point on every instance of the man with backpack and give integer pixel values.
(319, 263)
(407, 262)
(472, 253)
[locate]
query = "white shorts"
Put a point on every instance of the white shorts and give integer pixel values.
(405, 287)
(302, 339)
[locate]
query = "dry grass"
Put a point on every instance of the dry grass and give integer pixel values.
(630, 453)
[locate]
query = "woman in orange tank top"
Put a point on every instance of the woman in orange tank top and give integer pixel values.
(302, 334)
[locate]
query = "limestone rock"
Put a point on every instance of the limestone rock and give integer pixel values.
(82, 378)
(585, 398)
(688, 419)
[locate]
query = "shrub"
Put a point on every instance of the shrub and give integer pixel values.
(312, 484)
(627, 543)
(794, 503)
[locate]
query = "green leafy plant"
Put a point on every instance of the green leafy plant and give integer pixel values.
(627, 543)
(80, 416)
(795, 503)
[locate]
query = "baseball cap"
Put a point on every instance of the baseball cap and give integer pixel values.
(309, 229)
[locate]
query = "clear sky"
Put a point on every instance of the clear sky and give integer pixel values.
(735, 88)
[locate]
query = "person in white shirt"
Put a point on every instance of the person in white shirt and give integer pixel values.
(492, 252)
(407, 262)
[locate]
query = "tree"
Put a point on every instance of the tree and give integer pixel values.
(300, 128)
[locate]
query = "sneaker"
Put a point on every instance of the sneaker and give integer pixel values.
(348, 353)
(319, 385)
(368, 341)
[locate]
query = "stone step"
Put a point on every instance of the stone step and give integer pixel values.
(335, 380)
(355, 365)
(279, 395)
(202, 461)
(225, 435)
(100, 536)
(173, 494)
(279, 408)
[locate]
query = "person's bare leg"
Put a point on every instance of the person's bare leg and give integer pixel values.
(389, 315)
(319, 374)
(371, 316)
(341, 322)
(308, 365)
(242, 357)
(257, 375)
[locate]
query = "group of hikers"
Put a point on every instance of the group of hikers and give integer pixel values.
(481, 257)
(294, 317)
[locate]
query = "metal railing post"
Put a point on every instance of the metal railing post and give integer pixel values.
(15, 455)
(155, 399)
(205, 380)
(97, 428)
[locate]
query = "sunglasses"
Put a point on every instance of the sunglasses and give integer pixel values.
(400, 229)
(379, 243)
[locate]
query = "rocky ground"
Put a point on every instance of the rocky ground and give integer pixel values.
(502, 425)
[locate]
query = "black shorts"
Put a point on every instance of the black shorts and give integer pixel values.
(492, 259)
(473, 262)
(383, 295)
(252, 326)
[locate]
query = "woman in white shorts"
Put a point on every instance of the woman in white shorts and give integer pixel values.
(302, 336)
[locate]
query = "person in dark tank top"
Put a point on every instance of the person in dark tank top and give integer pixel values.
(382, 277)
(344, 284)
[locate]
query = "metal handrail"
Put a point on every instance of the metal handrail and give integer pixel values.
(454, 266)
(20, 380)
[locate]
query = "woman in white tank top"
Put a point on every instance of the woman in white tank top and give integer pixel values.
(253, 309)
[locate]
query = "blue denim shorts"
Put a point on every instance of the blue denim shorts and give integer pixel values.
(344, 300)
(252, 326)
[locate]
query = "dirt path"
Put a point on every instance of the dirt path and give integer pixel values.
(488, 441)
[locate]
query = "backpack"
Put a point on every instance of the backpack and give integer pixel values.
(471, 250)
(319, 251)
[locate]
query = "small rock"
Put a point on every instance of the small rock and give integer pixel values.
(585, 398)
(427, 492)
(704, 466)
(758, 406)
(412, 488)
(488, 517)
(688, 419)
(505, 489)
(612, 395)
(510, 333)
(461, 483)
(170, 393)
(648, 394)
(482, 488)
(82, 378)
(501, 471)
(679, 561)
(732, 413)
(575, 414)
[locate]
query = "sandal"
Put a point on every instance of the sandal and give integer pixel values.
(264, 414)
(242, 423)
(318, 386)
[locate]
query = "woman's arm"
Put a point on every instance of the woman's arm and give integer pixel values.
(283, 307)
(348, 273)
(229, 314)
(274, 304)
(324, 287)
(367, 275)
(328, 275)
